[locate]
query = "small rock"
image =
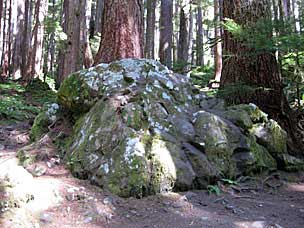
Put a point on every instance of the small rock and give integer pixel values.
(88, 219)
(2, 147)
(70, 197)
(177, 204)
(204, 218)
(108, 200)
(133, 212)
(229, 207)
(190, 195)
(49, 164)
(45, 218)
(258, 224)
(39, 171)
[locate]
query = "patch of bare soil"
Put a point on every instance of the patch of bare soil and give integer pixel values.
(46, 195)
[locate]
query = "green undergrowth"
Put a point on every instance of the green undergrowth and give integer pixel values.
(202, 77)
(19, 103)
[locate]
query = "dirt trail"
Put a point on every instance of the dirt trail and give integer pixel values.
(46, 195)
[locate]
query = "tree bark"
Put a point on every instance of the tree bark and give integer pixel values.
(190, 40)
(150, 29)
(218, 47)
(166, 32)
(99, 15)
(84, 30)
(177, 6)
(122, 31)
(70, 60)
(259, 70)
(1, 13)
(26, 40)
(243, 65)
(182, 53)
(3, 30)
(18, 38)
(36, 58)
(199, 37)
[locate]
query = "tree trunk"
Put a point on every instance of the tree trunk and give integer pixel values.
(122, 32)
(3, 64)
(36, 58)
(286, 8)
(259, 70)
(166, 32)
(182, 53)
(177, 5)
(84, 30)
(190, 41)
(150, 30)
(218, 47)
(18, 38)
(199, 37)
(7, 41)
(1, 13)
(70, 58)
(26, 40)
(99, 15)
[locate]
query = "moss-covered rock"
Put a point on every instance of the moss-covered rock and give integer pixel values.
(47, 116)
(290, 163)
(240, 118)
(145, 130)
(271, 136)
(25, 159)
(256, 114)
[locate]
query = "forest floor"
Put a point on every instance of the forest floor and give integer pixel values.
(46, 195)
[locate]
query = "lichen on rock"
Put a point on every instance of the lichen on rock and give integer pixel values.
(144, 130)
(48, 115)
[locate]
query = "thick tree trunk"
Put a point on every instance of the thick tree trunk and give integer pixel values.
(99, 15)
(244, 65)
(70, 60)
(166, 32)
(150, 29)
(122, 32)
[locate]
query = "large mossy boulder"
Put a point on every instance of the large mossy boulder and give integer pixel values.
(141, 129)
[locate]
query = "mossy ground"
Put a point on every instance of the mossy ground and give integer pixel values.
(19, 103)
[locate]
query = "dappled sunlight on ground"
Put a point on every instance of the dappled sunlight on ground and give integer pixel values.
(55, 199)
(254, 224)
(296, 188)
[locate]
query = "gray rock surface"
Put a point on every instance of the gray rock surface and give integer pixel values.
(141, 130)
